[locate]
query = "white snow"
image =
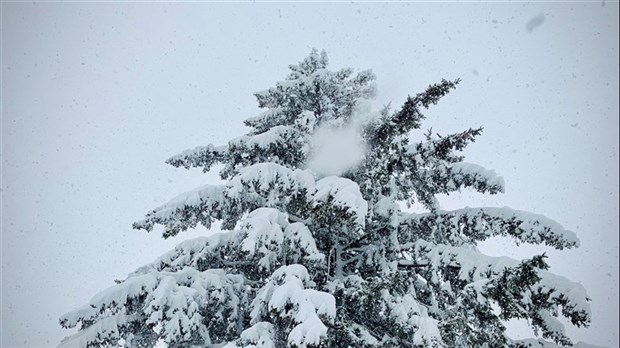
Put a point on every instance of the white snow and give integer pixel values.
(264, 117)
(477, 269)
(269, 183)
(172, 300)
(336, 147)
(558, 286)
(552, 324)
(203, 194)
(265, 178)
(259, 335)
(427, 331)
(334, 150)
(266, 139)
(479, 172)
(191, 157)
(264, 227)
(344, 193)
(494, 221)
(285, 293)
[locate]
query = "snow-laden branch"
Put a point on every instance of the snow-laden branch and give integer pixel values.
(424, 169)
(263, 184)
(342, 193)
(305, 310)
(470, 225)
(284, 145)
(201, 156)
(522, 289)
(263, 240)
(180, 307)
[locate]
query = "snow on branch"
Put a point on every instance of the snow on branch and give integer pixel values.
(522, 289)
(201, 156)
(270, 118)
(264, 239)
(201, 253)
(269, 181)
(472, 175)
(569, 295)
(263, 184)
(314, 61)
(405, 310)
(259, 185)
(106, 331)
(173, 306)
(431, 167)
(268, 235)
(305, 310)
(284, 145)
(107, 302)
(470, 225)
(385, 310)
(259, 335)
(446, 178)
(472, 266)
(435, 92)
(425, 169)
(280, 144)
(201, 205)
(342, 193)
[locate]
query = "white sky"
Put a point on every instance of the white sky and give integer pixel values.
(95, 96)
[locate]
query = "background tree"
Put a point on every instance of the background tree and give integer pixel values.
(325, 255)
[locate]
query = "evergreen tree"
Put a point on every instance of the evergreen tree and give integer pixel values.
(314, 258)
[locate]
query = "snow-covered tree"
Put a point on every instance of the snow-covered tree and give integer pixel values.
(328, 256)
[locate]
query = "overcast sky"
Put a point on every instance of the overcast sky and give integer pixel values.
(95, 96)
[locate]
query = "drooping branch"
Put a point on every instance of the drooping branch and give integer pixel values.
(471, 225)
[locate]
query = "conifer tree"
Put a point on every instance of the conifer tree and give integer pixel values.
(313, 258)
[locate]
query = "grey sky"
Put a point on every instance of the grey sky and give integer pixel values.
(96, 95)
